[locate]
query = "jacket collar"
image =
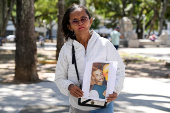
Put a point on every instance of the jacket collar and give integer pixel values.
(91, 42)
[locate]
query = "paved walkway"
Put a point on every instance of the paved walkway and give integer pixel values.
(140, 95)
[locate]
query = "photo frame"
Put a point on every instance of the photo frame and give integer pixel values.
(98, 82)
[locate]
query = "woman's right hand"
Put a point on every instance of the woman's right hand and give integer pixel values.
(75, 91)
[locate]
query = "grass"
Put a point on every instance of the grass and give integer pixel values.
(135, 58)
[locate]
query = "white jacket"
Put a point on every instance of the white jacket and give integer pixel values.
(98, 49)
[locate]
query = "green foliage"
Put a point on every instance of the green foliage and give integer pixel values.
(167, 14)
(107, 9)
(14, 10)
(95, 24)
(114, 10)
(68, 3)
(45, 10)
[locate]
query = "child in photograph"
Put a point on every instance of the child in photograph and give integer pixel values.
(98, 89)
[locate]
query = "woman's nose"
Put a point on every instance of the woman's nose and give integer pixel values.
(80, 22)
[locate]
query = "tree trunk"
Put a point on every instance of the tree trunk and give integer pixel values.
(139, 29)
(2, 15)
(123, 9)
(13, 21)
(164, 4)
(5, 12)
(60, 37)
(26, 49)
(50, 31)
(152, 24)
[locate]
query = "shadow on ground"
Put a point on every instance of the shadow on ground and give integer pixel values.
(147, 69)
(40, 97)
(141, 103)
(45, 109)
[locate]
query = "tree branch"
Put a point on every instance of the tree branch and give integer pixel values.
(13, 20)
(153, 8)
(45, 14)
(8, 15)
(149, 22)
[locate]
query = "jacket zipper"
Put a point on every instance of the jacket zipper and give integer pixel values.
(85, 58)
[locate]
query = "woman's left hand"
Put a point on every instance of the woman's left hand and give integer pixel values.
(112, 97)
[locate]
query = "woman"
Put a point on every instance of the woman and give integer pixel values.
(89, 46)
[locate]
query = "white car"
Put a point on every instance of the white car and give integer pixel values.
(10, 38)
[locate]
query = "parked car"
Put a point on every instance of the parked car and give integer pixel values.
(10, 38)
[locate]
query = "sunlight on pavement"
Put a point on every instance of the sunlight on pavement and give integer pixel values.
(143, 85)
(146, 109)
(55, 110)
(8, 109)
(142, 97)
(145, 95)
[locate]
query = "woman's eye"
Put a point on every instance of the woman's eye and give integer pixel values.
(75, 21)
(83, 19)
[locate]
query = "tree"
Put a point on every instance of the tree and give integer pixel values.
(164, 4)
(26, 49)
(6, 7)
(60, 40)
(46, 10)
(134, 9)
(95, 24)
(68, 3)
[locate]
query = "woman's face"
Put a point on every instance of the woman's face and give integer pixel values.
(98, 76)
(80, 16)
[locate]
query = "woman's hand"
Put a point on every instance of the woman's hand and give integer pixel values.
(75, 91)
(112, 97)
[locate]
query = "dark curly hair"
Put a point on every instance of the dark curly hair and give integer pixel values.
(66, 32)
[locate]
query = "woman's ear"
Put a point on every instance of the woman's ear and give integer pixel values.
(91, 21)
(69, 27)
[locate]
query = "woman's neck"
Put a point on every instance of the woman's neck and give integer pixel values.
(83, 39)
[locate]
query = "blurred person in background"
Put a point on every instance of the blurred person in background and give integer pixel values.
(115, 35)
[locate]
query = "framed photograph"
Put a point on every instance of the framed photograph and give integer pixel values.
(99, 80)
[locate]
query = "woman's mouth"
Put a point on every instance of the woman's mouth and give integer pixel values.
(81, 27)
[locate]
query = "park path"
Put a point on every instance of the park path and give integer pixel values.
(140, 95)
